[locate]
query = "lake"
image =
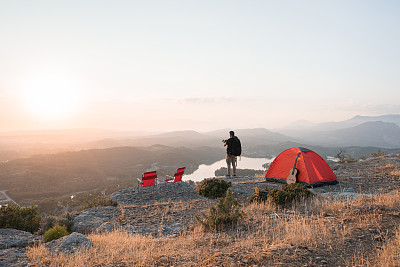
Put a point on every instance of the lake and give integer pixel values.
(207, 171)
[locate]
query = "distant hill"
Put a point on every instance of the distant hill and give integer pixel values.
(377, 134)
(299, 127)
(377, 131)
(324, 151)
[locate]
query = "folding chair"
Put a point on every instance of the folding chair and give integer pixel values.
(148, 179)
(177, 176)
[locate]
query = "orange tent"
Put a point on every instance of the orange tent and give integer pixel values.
(312, 169)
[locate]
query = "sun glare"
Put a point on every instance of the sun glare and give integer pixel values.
(50, 97)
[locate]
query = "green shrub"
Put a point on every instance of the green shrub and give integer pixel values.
(25, 219)
(55, 233)
(226, 213)
(213, 188)
(67, 221)
(297, 191)
(286, 195)
(258, 196)
(92, 201)
(49, 222)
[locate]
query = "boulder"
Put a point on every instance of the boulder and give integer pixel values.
(69, 243)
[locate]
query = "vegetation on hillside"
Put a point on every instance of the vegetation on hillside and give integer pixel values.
(225, 214)
(288, 194)
(54, 233)
(20, 218)
(213, 188)
(320, 232)
(48, 180)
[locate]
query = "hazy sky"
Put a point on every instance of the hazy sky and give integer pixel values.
(202, 65)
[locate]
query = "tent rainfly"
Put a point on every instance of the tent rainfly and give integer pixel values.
(312, 168)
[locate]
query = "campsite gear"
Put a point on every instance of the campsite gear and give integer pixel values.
(312, 169)
(148, 179)
(292, 178)
(177, 176)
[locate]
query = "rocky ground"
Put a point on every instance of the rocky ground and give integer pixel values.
(169, 211)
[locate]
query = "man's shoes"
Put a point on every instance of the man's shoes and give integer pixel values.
(234, 175)
(228, 176)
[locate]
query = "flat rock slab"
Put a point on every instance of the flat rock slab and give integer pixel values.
(11, 238)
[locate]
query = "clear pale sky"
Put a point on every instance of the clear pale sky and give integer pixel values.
(202, 65)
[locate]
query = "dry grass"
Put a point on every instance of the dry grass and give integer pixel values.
(395, 172)
(318, 224)
(390, 254)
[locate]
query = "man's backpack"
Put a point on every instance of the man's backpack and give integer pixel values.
(236, 147)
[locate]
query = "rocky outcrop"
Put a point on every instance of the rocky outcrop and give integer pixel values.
(69, 243)
(13, 245)
(98, 219)
(11, 238)
(164, 192)
(139, 211)
(13, 257)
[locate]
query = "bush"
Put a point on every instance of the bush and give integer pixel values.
(93, 201)
(350, 159)
(378, 154)
(55, 233)
(258, 196)
(67, 221)
(213, 188)
(286, 195)
(25, 219)
(50, 221)
(226, 213)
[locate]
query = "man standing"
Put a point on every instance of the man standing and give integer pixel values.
(233, 150)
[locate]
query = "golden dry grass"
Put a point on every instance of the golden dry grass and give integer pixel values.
(395, 172)
(318, 223)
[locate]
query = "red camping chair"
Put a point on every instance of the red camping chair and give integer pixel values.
(177, 176)
(148, 179)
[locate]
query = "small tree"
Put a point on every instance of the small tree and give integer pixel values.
(226, 213)
(341, 156)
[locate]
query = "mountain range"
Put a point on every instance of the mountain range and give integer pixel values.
(363, 131)
(379, 131)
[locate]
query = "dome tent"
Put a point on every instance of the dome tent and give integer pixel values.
(312, 168)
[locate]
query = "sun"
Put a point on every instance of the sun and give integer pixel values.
(50, 97)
